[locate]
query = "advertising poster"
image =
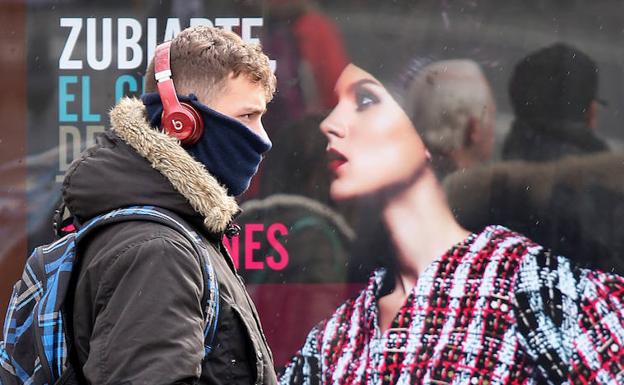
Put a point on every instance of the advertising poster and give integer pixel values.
(372, 97)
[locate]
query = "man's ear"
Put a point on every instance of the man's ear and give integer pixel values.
(591, 115)
(472, 133)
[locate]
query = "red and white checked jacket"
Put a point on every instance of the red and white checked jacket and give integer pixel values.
(495, 309)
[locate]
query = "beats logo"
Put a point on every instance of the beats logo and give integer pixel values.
(177, 124)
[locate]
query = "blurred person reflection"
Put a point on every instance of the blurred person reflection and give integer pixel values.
(574, 206)
(553, 93)
(293, 166)
(310, 55)
(447, 296)
(452, 105)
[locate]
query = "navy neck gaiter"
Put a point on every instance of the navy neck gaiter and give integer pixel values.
(230, 150)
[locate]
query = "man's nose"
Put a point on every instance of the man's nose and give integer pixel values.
(261, 131)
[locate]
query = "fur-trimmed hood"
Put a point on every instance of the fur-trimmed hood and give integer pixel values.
(134, 164)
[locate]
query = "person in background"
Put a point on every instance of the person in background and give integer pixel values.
(558, 184)
(308, 49)
(553, 92)
(449, 306)
(452, 105)
(572, 205)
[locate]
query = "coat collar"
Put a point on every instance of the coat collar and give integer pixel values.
(165, 154)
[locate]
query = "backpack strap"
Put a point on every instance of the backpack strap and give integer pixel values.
(210, 296)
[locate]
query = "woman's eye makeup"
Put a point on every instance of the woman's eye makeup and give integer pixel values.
(364, 98)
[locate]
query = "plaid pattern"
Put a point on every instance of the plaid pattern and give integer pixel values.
(34, 349)
(495, 309)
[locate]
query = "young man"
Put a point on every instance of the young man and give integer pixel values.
(138, 310)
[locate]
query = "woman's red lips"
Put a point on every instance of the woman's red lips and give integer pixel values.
(335, 159)
(335, 164)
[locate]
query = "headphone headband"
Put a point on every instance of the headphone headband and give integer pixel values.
(162, 60)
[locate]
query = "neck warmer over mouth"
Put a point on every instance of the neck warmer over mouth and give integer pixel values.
(230, 150)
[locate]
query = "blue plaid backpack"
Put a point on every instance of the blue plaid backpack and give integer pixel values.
(35, 346)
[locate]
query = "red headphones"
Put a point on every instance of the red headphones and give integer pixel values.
(179, 120)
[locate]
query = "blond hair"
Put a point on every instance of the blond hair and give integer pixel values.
(203, 58)
(443, 97)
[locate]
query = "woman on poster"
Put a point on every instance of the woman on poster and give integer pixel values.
(486, 308)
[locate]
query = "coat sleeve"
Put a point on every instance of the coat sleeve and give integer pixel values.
(305, 366)
(571, 320)
(148, 321)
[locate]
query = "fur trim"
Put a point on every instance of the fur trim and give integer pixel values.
(189, 177)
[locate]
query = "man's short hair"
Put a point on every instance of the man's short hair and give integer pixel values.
(556, 82)
(443, 97)
(203, 57)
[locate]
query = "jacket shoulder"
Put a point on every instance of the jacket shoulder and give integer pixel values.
(136, 242)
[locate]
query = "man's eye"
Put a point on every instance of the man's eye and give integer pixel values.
(365, 99)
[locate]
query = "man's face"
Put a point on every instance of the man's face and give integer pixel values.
(243, 100)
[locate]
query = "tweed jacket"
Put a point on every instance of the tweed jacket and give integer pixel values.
(494, 309)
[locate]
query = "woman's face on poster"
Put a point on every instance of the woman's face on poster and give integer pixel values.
(372, 144)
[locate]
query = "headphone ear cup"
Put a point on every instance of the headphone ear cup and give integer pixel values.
(198, 128)
(180, 120)
(183, 123)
